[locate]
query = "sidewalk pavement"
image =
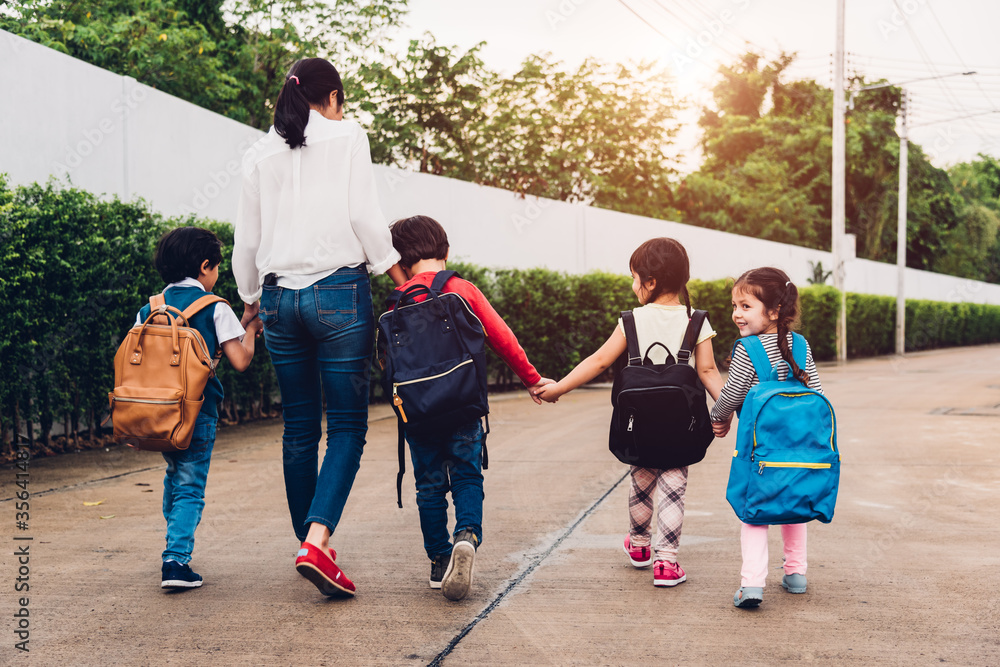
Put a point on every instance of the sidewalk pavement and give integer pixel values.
(907, 573)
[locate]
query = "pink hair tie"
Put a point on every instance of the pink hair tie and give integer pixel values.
(296, 79)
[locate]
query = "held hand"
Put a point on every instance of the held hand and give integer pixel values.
(722, 428)
(250, 312)
(549, 393)
(254, 327)
(535, 388)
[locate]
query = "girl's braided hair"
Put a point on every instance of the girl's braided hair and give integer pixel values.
(778, 294)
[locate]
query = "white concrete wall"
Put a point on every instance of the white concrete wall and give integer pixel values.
(110, 134)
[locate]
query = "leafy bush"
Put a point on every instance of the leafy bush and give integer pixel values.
(74, 270)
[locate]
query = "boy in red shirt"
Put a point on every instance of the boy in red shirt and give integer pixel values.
(451, 459)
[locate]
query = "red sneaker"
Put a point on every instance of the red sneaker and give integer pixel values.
(313, 564)
(666, 573)
(639, 556)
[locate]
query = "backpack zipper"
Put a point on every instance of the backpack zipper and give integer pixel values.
(785, 464)
(631, 418)
(398, 401)
(151, 401)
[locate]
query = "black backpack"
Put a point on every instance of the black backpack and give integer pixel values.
(433, 360)
(661, 418)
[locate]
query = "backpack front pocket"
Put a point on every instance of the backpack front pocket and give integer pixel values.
(437, 390)
(146, 413)
(789, 491)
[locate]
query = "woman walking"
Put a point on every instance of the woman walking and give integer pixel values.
(309, 230)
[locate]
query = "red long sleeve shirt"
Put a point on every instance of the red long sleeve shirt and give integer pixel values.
(498, 335)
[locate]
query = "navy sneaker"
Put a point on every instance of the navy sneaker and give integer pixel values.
(439, 565)
(179, 575)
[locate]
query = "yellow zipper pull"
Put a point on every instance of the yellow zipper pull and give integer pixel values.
(398, 402)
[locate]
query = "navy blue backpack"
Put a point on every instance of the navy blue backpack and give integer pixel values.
(433, 360)
(786, 467)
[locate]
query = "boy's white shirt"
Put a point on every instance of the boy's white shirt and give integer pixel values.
(227, 325)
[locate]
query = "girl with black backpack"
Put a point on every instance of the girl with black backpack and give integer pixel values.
(660, 272)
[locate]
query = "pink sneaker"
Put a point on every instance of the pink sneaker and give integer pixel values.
(666, 573)
(639, 556)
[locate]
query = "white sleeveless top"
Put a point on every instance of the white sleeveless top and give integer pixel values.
(655, 323)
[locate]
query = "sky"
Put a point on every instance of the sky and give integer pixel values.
(898, 40)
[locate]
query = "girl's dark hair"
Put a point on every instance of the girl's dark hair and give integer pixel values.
(181, 252)
(778, 293)
(665, 261)
(309, 81)
(419, 237)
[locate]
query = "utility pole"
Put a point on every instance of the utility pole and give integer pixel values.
(838, 180)
(901, 230)
(903, 169)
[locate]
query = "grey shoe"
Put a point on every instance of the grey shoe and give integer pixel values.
(794, 583)
(439, 565)
(748, 597)
(458, 577)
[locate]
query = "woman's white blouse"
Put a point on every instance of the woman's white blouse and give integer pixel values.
(306, 212)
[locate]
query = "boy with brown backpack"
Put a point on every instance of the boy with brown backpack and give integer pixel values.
(159, 370)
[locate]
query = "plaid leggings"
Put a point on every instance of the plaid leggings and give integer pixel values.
(670, 512)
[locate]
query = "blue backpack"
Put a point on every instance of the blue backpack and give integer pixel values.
(433, 359)
(786, 467)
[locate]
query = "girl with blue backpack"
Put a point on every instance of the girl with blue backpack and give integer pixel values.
(660, 272)
(765, 308)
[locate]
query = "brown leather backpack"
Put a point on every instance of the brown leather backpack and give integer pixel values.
(161, 369)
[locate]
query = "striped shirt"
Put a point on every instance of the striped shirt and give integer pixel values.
(742, 375)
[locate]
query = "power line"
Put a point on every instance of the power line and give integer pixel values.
(653, 27)
(926, 58)
(952, 45)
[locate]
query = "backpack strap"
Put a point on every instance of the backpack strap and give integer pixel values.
(486, 456)
(758, 356)
(799, 346)
(440, 278)
(402, 462)
(201, 304)
(691, 336)
(631, 338)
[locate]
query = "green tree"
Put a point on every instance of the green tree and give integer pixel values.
(231, 62)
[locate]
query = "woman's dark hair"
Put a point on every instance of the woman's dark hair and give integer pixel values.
(778, 294)
(419, 237)
(665, 261)
(181, 252)
(309, 81)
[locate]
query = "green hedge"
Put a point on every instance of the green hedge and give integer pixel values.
(75, 269)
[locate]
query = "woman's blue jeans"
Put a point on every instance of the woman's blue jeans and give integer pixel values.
(443, 461)
(320, 339)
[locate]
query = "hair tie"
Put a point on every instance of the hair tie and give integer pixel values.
(788, 283)
(293, 77)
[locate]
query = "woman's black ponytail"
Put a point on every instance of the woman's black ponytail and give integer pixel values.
(309, 83)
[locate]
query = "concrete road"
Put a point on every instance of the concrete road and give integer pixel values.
(907, 573)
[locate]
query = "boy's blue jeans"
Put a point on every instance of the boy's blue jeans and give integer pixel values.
(184, 489)
(320, 339)
(448, 460)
